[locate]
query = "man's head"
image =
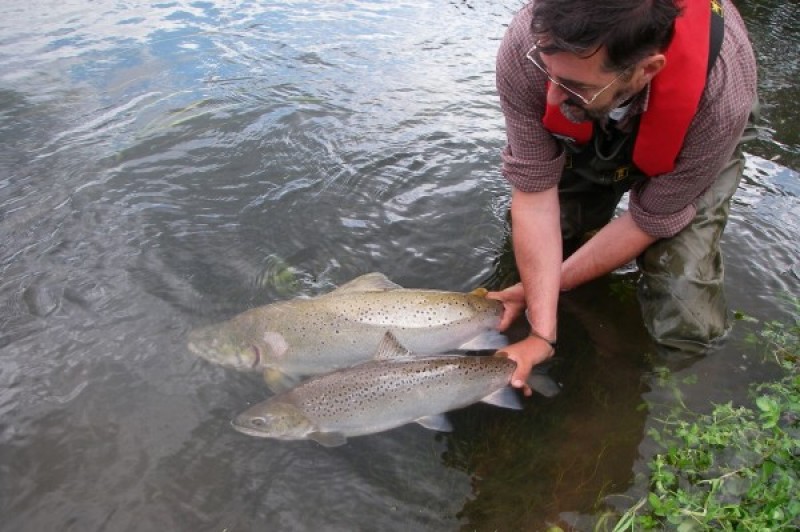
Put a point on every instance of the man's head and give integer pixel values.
(599, 54)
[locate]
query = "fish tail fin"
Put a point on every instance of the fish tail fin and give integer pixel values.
(543, 384)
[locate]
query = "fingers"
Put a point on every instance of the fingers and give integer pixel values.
(523, 368)
(520, 376)
(520, 384)
(514, 293)
(507, 319)
(526, 353)
(513, 300)
(519, 380)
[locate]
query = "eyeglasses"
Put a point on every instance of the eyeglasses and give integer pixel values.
(581, 97)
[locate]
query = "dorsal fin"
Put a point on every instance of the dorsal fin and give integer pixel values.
(391, 349)
(370, 282)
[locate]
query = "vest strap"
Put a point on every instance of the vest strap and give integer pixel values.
(675, 92)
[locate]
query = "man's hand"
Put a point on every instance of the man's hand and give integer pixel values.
(526, 353)
(513, 300)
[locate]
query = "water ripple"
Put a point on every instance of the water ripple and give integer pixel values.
(171, 164)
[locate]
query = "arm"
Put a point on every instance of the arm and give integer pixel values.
(613, 246)
(532, 164)
(537, 246)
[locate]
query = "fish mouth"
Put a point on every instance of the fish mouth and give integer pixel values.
(200, 351)
(244, 429)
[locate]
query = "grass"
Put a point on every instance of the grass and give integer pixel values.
(736, 468)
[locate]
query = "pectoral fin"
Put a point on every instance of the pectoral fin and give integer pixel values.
(328, 439)
(278, 382)
(505, 397)
(391, 349)
(485, 341)
(437, 422)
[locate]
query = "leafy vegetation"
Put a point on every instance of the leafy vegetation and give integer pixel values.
(736, 468)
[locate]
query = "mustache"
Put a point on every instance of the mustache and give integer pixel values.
(573, 103)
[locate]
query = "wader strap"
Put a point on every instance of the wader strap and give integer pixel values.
(716, 34)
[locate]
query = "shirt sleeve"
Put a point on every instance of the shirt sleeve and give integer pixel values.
(532, 159)
(663, 205)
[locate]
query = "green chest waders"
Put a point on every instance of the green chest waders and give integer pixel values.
(681, 287)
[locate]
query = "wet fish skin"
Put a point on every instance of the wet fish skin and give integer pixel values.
(398, 387)
(310, 336)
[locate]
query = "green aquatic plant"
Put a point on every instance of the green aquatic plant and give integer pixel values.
(279, 275)
(736, 468)
(780, 339)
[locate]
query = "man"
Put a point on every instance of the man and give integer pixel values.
(600, 98)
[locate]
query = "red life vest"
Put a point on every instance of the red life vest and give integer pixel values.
(674, 96)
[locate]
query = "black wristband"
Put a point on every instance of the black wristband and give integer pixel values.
(537, 334)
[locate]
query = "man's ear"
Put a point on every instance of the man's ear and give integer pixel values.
(652, 65)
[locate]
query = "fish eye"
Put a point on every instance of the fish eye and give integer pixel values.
(258, 421)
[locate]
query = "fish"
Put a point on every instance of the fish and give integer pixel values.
(297, 338)
(396, 387)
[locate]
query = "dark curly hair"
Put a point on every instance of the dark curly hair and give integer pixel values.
(629, 29)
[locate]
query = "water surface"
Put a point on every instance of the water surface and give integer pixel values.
(164, 166)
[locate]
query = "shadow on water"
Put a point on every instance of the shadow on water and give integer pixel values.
(566, 452)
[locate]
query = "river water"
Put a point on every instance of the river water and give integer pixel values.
(167, 165)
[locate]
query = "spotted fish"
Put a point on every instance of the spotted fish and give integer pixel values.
(395, 388)
(302, 337)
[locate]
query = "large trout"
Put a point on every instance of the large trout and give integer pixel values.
(396, 388)
(310, 336)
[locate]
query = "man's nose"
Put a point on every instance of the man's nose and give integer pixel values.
(555, 94)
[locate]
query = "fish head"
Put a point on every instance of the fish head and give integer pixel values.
(227, 345)
(274, 419)
(245, 342)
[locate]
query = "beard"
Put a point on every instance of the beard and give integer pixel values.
(574, 112)
(577, 112)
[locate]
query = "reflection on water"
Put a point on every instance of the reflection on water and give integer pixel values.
(773, 29)
(167, 165)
